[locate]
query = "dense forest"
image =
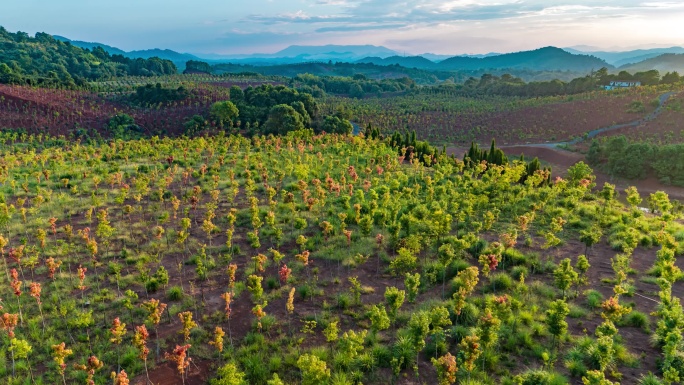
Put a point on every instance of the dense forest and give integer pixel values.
(542, 59)
(506, 84)
(149, 94)
(43, 60)
(509, 85)
(356, 86)
(637, 160)
(379, 71)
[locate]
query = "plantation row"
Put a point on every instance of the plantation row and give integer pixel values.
(324, 260)
(79, 113)
(664, 129)
(451, 118)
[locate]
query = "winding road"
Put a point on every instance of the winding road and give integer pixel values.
(561, 158)
(591, 134)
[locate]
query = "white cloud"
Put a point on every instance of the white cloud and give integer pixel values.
(441, 26)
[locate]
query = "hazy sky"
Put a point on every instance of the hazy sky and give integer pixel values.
(420, 26)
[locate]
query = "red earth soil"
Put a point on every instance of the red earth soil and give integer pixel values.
(666, 128)
(550, 122)
(61, 112)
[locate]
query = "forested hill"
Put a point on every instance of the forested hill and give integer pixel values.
(179, 59)
(543, 59)
(663, 63)
(44, 60)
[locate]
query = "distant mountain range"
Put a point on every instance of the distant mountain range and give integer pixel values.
(621, 58)
(290, 55)
(576, 59)
(543, 59)
(668, 62)
(179, 59)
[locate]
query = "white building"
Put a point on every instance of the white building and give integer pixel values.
(618, 84)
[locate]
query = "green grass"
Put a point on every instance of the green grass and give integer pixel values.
(594, 299)
(577, 311)
(637, 319)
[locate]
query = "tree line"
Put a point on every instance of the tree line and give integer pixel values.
(44, 61)
(509, 85)
(269, 109)
(637, 160)
(356, 86)
(154, 94)
(647, 78)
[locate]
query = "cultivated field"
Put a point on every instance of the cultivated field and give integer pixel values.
(456, 120)
(324, 259)
(63, 112)
(666, 128)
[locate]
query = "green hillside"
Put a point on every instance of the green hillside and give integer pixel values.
(543, 59)
(44, 60)
(664, 63)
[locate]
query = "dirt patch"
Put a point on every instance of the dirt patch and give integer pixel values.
(166, 374)
(532, 121)
(665, 128)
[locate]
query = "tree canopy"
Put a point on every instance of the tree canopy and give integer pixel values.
(46, 61)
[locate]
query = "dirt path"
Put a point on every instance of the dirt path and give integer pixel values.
(560, 159)
(593, 133)
(662, 99)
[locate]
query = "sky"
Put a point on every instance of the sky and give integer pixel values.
(411, 27)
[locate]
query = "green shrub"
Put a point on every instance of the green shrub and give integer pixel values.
(540, 377)
(477, 247)
(513, 257)
(175, 293)
(525, 318)
(469, 315)
(271, 283)
(305, 291)
(433, 272)
(382, 355)
(577, 311)
(229, 374)
(255, 370)
(517, 271)
(152, 285)
(500, 282)
(267, 323)
(458, 332)
(543, 290)
(143, 169)
(575, 365)
(435, 347)
(457, 266)
(256, 339)
(518, 340)
(636, 319)
(646, 241)
(344, 300)
(594, 299)
(649, 379)
(636, 107)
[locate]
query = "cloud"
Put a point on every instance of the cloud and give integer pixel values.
(332, 2)
(408, 13)
(357, 28)
(237, 39)
(467, 25)
(455, 44)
